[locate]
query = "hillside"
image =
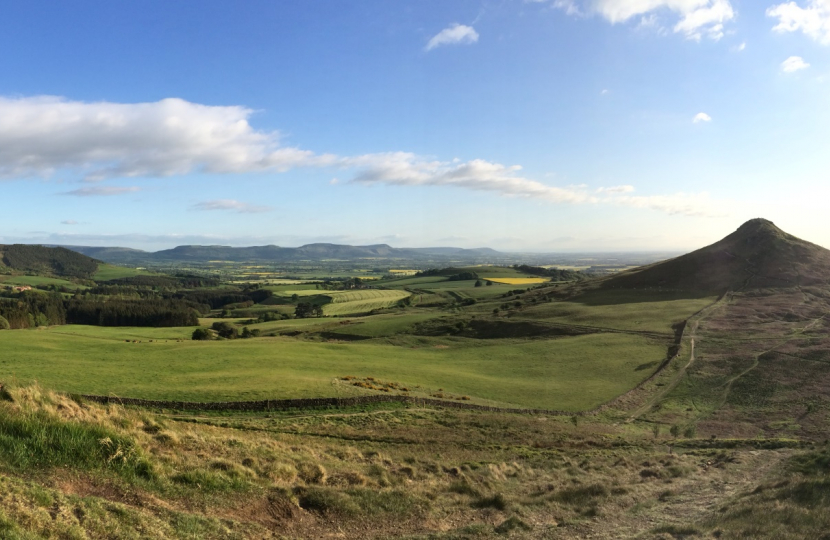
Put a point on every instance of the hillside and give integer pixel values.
(758, 255)
(40, 260)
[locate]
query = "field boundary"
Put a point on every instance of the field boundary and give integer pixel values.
(309, 403)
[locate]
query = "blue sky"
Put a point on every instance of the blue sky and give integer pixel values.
(556, 125)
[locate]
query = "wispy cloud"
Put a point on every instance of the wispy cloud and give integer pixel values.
(693, 18)
(232, 205)
(453, 35)
(101, 191)
(793, 64)
(406, 169)
(701, 117)
(403, 169)
(686, 204)
(813, 20)
(69, 222)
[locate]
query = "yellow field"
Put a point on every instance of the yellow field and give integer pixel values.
(403, 272)
(518, 281)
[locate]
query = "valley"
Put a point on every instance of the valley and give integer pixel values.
(680, 399)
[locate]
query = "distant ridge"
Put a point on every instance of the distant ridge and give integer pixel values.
(271, 253)
(758, 255)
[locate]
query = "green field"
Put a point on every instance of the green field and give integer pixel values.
(623, 310)
(569, 374)
(34, 281)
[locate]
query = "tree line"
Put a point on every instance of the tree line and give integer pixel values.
(31, 309)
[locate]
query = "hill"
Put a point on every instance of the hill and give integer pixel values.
(756, 256)
(40, 260)
(271, 253)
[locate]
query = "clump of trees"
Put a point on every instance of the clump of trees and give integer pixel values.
(157, 313)
(305, 310)
(224, 330)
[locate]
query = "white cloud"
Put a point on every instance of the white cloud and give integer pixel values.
(69, 222)
(686, 204)
(793, 64)
(696, 17)
(453, 34)
(813, 20)
(40, 135)
(616, 189)
(701, 117)
(230, 204)
(739, 48)
(405, 169)
(99, 191)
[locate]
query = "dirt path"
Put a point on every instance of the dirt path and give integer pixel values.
(674, 379)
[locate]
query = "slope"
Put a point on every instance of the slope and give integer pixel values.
(40, 260)
(758, 255)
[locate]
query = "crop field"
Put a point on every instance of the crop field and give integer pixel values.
(571, 374)
(340, 297)
(411, 282)
(349, 302)
(519, 281)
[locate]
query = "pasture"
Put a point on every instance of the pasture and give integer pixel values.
(569, 374)
(622, 310)
(34, 281)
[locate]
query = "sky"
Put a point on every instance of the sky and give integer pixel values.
(545, 126)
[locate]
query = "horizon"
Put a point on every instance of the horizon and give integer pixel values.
(529, 127)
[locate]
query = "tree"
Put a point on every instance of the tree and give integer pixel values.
(201, 334)
(479, 283)
(246, 333)
(306, 309)
(225, 330)
(4, 324)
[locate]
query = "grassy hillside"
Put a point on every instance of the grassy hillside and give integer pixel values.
(572, 374)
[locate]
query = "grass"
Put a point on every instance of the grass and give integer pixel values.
(34, 281)
(571, 373)
(623, 310)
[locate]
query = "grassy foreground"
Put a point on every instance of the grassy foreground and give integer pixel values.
(70, 469)
(572, 373)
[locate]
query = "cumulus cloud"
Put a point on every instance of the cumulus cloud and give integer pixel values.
(453, 34)
(101, 191)
(694, 18)
(233, 205)
(701, 117)
(39, 135)
(813, 20)
(793, 64)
